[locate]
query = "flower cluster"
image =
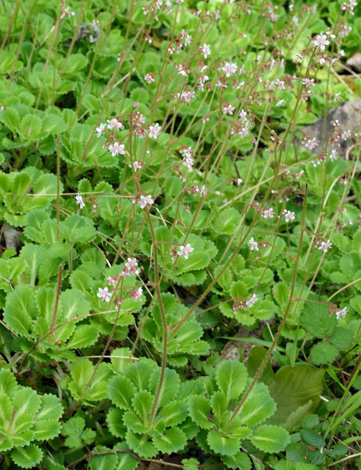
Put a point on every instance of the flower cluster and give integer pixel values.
(244, 303)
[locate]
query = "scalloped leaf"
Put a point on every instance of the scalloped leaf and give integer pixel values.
(76, 433)
(27, 457)
(270, 438)
(231, 377)
(172, 440)
(257, 408)
(121, 392)
(222, 444)
(141, 445)
(199, 410)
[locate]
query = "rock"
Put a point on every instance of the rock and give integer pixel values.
(348, 114)
(12, 237)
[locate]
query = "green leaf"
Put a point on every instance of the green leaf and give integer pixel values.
(115, 422)
(341, 338)
(239, 461)
(84, 335)
(11, 119)
(76, 433)
(20, 310)
(272, 439)
(77, 229)
(172, 440)
(190, 464)
(142, 403)
(104, 462)
(231, 377)
(170, 385)
(27, 457)
(50, 408)
(174, 413)
(219, 407)
(141, 445)
(311, 438)
(8, 384)
(45, 429)
(316, 320)
(221, 444)
(30, 126)
(53, 124)
(199, 409)
(121, 391)
(257, 408)
(323, 353)
(46, 184)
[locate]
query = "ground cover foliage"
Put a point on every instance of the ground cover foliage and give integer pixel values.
(166, 202)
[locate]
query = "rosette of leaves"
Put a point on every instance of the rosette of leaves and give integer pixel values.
(29, 313)
(148, 430)
(222, 434)
(26, 420)
(187, 341)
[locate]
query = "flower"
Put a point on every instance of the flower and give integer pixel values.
(149, 78)
(154, 131)
(116, 149)
(268, 213)
(145, 201)
(114, 124)
(185, 250)
(325, 246)
(136, 166)
(188, 162)
(228, 109)
(229, 69)
(321, 41)
(333, 156)
(79, 200)
(251, 301)
(104, 294)
(289, 216)
(311, 144)
(112, 280)
(253, 245)
(341, 313)
(206, 50)
(137, 294)
(100, 130)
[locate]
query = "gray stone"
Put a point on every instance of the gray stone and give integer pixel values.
(349, 119)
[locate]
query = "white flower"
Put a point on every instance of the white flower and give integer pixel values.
(321, 41)
(253, 245)
(280, 103)
(311, 144)
(100, 130)
(325, 246)
(136, 166)
(149, 78)
(112, 280)
(333, 156)
(137, 294)
(203, 191)
(79, 200)
(188, 162)
(114, 124)
(154, 131)
(251, 301)
(239, 181)
(229, 68)
(116, 149)
(228, 109)
(145, 201)
(268, 213)
(289, 216)
(104, 294)
(206, 50)
(185, 250)
(341, 313)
